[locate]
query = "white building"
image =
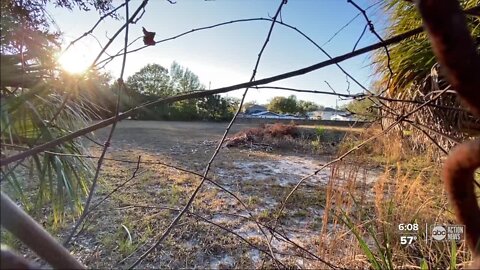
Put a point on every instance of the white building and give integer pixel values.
(270, 115)
(339, 117)
(330, 114)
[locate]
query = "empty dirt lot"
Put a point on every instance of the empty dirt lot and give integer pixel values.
(220, 230)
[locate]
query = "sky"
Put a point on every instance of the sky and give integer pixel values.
(226, 55)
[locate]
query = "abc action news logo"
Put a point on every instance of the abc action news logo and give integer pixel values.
(447, 232)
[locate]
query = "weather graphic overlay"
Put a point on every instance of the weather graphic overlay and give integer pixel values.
(408, 233)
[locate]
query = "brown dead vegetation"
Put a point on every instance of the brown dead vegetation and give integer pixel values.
(268, 130)
(289, 137)
(262, 136)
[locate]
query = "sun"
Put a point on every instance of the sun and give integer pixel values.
(75, 60)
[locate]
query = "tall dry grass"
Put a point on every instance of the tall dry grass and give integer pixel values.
(371, 192)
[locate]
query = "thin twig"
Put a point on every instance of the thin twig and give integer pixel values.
(134, 174)
(129, 21)
(95, 25)
(372, 30)
(121, 87)
(88, 214)
(360, 37)
(348, 23)
(209, 221)
(429, 137)
(217, 150)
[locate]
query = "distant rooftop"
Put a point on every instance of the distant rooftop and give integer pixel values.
(328, 109)
(255, 109)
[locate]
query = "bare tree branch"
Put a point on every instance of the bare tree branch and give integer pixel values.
(95, 25)
(22, 226)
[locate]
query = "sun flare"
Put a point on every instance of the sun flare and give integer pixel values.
(75, 60)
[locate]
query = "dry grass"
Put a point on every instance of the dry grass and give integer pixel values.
(408, 191)
(261, 179)
(377, 188)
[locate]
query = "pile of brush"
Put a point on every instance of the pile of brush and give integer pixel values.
(259, 137)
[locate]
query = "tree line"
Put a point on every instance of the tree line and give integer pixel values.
(362, 108)
(287, 105)
(154, 81)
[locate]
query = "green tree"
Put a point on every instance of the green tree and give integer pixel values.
(215, 107)
(150, 83)
(185, 110)
(233, 104)
(183, 80)
(363, 109)
(307, 106)
(283, 104)
(153, 79)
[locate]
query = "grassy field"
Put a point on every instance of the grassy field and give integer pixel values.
(347, 214)
(134, 215)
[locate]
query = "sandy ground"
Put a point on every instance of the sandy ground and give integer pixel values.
(219, 231)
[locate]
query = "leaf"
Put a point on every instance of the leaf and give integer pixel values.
(424, 265)
(363, 244)
(453, 255)
(148, 37)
